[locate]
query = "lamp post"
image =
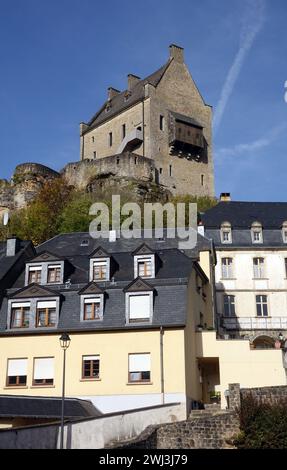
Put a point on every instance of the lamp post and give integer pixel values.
(65, 343)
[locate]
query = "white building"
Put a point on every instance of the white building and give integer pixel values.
(251, 273)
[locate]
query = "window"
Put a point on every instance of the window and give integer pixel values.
(46, 314)
(202, 180)
(20, 315)
(284, 232)
(261, 306)
(17, 373)
(170, 170)
(144, 267)
(160, 171)
(91, 367)
(226, 233)
(93, 139)
(227, 268)
(161, 122)
(43, 371)
(123, 131)
(95, 155)
(54, 274)
(100, 270)
(256, 233)
(229, 305)
(110, 139)
(139, 368)
(92, 309)
(35, 274)
(139, 308)
(258, 268)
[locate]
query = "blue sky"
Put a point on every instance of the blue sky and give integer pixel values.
(58, 57)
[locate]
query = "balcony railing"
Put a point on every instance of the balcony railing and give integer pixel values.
(254, 323)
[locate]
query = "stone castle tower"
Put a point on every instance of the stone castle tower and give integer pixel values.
(159, 126)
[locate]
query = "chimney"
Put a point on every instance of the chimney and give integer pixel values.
(112, 92)
(12, 246)
(225, 197)
(176, 53)
(132, 81)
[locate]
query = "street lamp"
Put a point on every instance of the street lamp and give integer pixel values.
(65, 343)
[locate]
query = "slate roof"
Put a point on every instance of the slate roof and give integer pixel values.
(119, 103)
(45, 407)
(189, 120)
(241, 216)
(7, 262)
(173, 269)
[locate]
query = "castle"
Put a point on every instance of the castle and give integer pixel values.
(154, 137)
(163, 118)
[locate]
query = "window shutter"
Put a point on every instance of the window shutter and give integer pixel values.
(91, 358)
(139, 306)
(35, 268)
(47, 304)
(139, 362)
(95, 300)
(17, 367)
(44, 368)
(21, 305)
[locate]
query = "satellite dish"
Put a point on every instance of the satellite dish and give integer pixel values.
(6, 218)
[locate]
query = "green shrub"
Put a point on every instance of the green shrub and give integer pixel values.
(263, 425)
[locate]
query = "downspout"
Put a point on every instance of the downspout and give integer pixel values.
(143, 128)
(212, 263)
(161, 366)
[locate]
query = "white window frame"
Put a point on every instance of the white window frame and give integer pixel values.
(259, 267)
(142, 258)
(51, 376)
(93, 262)
(261, 303)
(146, 357)
(85, 299)
(256, 228)
(227, 269)
(147, 319)
(226, 229)
(229, 304)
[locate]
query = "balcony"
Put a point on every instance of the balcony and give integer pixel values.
(254, 323)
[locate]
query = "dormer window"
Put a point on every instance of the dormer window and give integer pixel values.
(20, 314)
(101, 269)
(284, 232)
(226, 233)
(35, 273)
(54, 274)
(144, 267)
(46, 314)
(256, 233)
(139, 302)
(93, 308)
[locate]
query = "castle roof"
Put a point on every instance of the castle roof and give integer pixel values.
(120, 102)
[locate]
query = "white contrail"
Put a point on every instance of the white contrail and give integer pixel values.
(247, 148)
(253, 21)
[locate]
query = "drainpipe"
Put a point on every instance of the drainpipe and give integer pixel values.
(143, 130)
(161, 365)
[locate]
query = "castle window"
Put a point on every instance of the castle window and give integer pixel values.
(226, 233)
(139, 368)
(20, 315)
(123, 131)
(256, 233)
(17, 373)
(161, 122)
(54, 274)
(160, 171)
(91, 367)
(46, 314)
(110, 139)
(93, 139)
(284, 232)
(136, 160)
(170, 170)
(43, 371)
(95, 155)
(202, 180)
(34, 274)
(261, 306)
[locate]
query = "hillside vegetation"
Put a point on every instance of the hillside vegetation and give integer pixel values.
(59, 208)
